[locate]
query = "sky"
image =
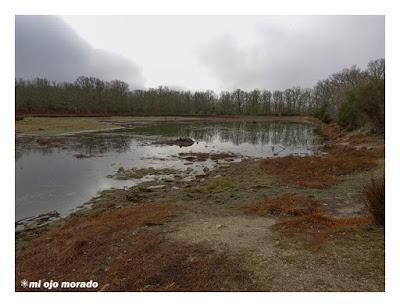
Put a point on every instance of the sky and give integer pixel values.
(197, 52)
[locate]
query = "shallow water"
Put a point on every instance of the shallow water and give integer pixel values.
(54, 179)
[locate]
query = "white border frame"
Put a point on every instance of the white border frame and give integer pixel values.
(182, 7)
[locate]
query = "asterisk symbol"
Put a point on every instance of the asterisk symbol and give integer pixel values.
(24, 283)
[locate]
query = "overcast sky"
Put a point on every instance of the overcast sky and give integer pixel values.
(197, 52)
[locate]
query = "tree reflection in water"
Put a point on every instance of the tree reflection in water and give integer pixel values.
(288, 135)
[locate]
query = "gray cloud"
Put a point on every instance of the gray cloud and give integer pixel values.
(45, 46)
(295, 51)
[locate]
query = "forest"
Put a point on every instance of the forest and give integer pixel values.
(352, 97)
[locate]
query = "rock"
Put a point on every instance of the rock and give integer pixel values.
(39, 220)
(156, 187)
(181, 142)
(206, 169)
(82, 156)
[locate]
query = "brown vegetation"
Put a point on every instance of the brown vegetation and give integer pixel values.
(285, 205)
(120, 251)
(319, 227)
(374, 194)
(359, 138)
(331, 131)
(322, 171)
(52, 142)
(203, 156)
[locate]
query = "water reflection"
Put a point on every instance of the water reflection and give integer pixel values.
(286, 134)
(54, 179)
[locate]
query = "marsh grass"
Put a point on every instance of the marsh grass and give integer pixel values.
(374, 194)
(285, 205)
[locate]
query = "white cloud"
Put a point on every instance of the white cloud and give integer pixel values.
(294, 51)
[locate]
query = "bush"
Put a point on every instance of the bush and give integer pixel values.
(323, 114)
(350, 112)
(374, 194)
(372, 101)
(364, 104)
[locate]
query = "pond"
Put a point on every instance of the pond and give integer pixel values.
(49, 178)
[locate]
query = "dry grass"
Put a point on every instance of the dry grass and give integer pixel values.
(360, 138)
(319, 227)
(322, 171)
(331, 131)
(52, 142)
(285, 205)
(120, 250)
(374, 194)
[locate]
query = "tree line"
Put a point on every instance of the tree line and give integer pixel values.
(92, 96)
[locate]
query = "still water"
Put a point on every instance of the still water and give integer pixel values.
(50, 179)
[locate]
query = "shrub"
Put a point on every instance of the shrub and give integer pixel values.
(323, 114)
(350, 112)
(372, 101)
(374, 194)
(363, 104)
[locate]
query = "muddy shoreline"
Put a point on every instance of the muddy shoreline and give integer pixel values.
(230, 229)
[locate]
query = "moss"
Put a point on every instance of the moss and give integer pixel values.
(219, 184)
(124, 174)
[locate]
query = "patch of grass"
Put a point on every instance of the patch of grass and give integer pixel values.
(122, 252)
(219, 184)
(56, 125)
(374, 194)
(320, 227)
(285, 205)
(322, 171)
